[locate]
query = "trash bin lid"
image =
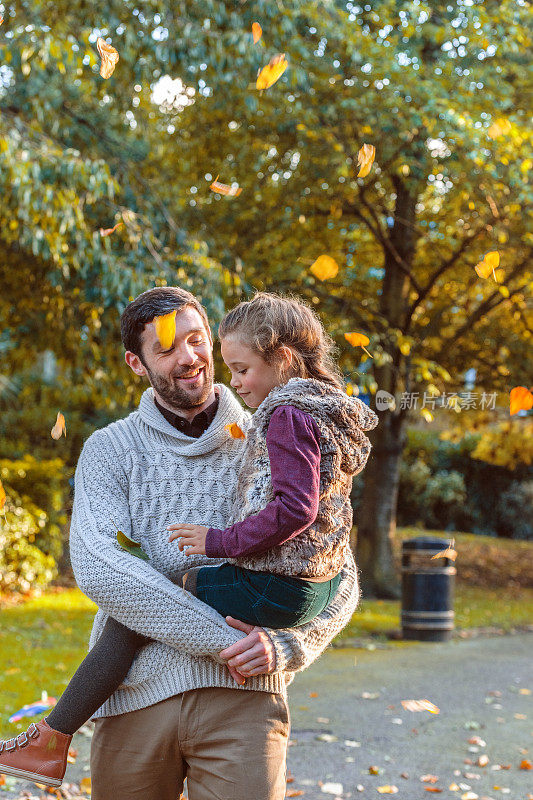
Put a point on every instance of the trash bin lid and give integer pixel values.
(426, 543)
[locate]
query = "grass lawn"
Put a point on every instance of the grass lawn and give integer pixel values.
(42, 640)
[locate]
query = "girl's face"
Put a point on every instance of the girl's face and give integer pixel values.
(251, 377)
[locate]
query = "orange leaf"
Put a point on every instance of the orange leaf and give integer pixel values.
(272, 72)
(324, 267)
(294, 792)
(525, 764)
(358, 340)
(235, 431)
(373, 770)
(1, 21)
(165, 328)
(257, 31)
(488, 264)
(521, 399)
(432, 789)
(448, 553)
(109, 57)
(59, 427)
(109, 231)
(428, 778)
(387, 789)
(313, 694)
(2, 496)
(223, 188)
(85, 785)
(420, 705)
(365, 159)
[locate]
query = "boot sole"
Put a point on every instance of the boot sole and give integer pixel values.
(31, 776)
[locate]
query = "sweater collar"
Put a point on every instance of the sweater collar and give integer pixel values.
(229, 410)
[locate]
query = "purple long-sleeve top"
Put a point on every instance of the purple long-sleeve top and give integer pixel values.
(293, 449)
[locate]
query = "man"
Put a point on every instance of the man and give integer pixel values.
(202, 700)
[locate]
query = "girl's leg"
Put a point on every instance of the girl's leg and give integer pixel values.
(100, 673)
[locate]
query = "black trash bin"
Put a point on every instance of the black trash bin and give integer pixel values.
(427, 590)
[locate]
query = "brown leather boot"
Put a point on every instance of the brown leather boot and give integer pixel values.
(38, 754)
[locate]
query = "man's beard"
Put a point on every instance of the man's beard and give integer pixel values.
(177, 396)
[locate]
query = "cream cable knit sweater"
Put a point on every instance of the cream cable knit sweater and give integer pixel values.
(138, 475)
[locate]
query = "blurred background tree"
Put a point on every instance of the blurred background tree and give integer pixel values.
(440, 91)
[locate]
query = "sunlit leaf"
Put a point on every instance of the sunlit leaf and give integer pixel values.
(365, 159)
(234, 430)
(131, 546)
(59, 428)
(434, 789)
(224, 188)
(257, 31)
(109, 231)
(521, 399)
(488, 264)
(109, 57)
(358, 340)
(448, 553)
(420, 705)
(272, 72)
(165, 328)
(324, 267)
(387, 789)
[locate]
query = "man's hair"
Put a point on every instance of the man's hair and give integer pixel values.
(154, 303)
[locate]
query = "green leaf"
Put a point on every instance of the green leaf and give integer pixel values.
(131, 546)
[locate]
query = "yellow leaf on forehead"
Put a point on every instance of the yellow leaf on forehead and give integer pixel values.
(365, 159)
(257, 31)
(521, 399)
(234, 431)
(165, 328)
(225, 189)
(272, 72)
(324, 267)
(109, 57)
(59, 428)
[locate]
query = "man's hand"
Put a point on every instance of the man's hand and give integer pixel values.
(191, 537)
(253, 655)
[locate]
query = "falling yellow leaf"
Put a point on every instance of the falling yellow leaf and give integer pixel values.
(324, 267)
(109, 57)
(59, 427)
(358, 340)
(109, 231)
(448, 553)
(165, 328)
(272, 72)
(365, 159)
(488, 264)
(235, 431)
(387, 789)
(420, 705)
(521, 399)
(223, 188)
(257, 31)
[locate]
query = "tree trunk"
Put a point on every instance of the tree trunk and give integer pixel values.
(376, 516)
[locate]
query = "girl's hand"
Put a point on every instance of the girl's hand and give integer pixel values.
(191, 537)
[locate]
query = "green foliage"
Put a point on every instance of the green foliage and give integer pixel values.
(23, 565)
(515, 511)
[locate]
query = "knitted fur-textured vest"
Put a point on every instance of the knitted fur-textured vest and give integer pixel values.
(319, 551)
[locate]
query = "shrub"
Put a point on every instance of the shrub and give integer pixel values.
(23, 565)
(515, 511)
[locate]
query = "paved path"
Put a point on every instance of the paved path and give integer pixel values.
(480, 685)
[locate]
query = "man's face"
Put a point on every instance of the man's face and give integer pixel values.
(182, 376)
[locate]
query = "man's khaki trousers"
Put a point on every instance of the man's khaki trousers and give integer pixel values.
(230, 744)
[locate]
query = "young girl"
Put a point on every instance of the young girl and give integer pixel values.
(292, 515)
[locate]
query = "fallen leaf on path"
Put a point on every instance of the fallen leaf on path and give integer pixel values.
(85, 785)
(289, 778)
(520, 716)
(432, 789)
(109, 57)
(525, 764)
(469, 796)
(420, 705)
(477, 740)
(59, 428)
(374, 770)
(331, 788)
(165, 328)
(388, 789)
(482, 761)
(313, 694)
(294, 793)
(429, 778)
(273, 71)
